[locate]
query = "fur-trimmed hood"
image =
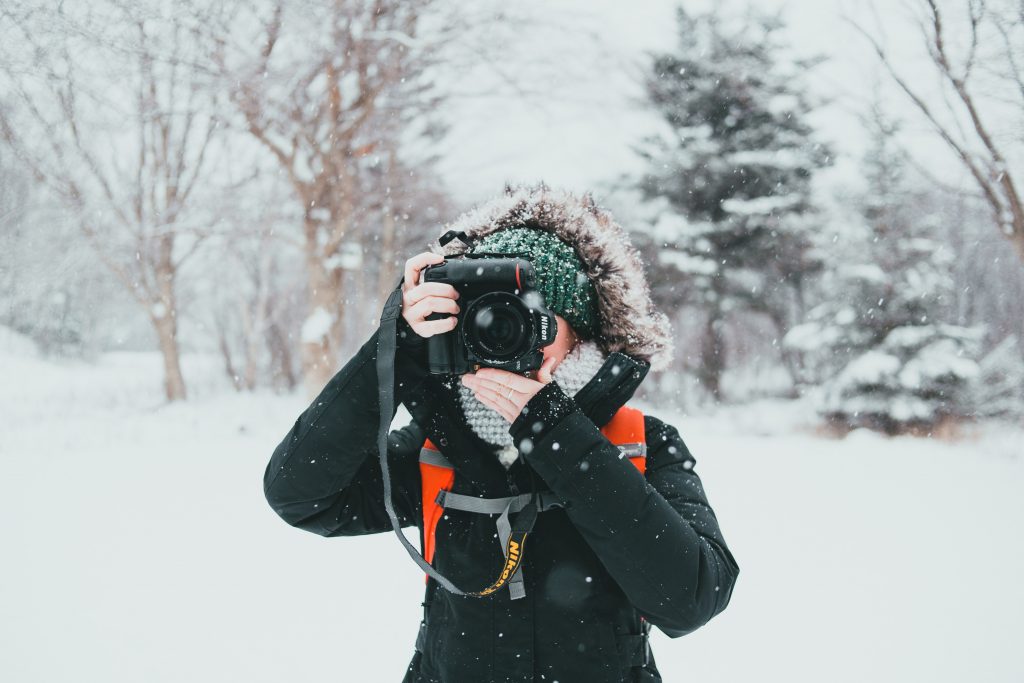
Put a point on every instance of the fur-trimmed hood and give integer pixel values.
(628, 321)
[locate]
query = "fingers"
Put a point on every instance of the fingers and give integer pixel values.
(498, 388)
(495, 395)
(506, 407)
(431, 304)
(428, 328)
(491, 386)
(546, 368)
(497, 378)
(416, 316)
(421, 300)
(437, 289)
(417, 263)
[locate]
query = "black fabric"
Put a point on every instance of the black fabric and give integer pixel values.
(627, 544)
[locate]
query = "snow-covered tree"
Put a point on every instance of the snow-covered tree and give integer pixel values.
(109, 118)
(999, 391)
(916, 378)
(732, 172)
(881, 336)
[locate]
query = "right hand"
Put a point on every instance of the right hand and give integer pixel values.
(420, 300)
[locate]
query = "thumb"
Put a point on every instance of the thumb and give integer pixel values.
(546, 368)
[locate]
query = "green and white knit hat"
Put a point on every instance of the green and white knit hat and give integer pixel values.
(561, 276)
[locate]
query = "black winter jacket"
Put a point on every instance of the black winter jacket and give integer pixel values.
(626, 544)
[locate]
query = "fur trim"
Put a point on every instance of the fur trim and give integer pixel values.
(627, 319)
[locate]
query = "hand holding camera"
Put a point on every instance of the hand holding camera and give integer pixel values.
(500, 328)
(506, 392)
(420, 300)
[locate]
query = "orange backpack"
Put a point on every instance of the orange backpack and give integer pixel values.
(625, 430)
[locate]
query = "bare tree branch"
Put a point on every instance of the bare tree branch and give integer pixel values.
(987, 166)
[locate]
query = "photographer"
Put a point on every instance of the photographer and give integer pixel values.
(618, 543)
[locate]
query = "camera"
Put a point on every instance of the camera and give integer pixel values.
(502, 320)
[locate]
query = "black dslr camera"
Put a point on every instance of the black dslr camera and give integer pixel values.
(502, 320)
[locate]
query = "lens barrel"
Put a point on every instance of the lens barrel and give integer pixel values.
(498, 327)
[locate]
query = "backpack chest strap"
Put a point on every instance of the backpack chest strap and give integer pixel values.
(492, 506)
(503, 506)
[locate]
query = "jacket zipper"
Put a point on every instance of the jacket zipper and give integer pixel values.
(511, 482)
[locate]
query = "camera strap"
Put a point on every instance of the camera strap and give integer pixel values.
(455, 234)
(387, 345)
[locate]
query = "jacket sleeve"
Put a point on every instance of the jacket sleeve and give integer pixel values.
(655, 532)
(325, 475)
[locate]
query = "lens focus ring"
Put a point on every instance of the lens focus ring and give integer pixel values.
(498, 327)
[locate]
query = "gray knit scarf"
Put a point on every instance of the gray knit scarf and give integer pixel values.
(578, 367)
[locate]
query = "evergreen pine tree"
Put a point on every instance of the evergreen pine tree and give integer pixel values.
(891, 362)
(731, 175)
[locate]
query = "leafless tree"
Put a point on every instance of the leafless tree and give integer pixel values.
(245, 298)
(14, 190)
(119, 129)
(985, 73)
(336, 91)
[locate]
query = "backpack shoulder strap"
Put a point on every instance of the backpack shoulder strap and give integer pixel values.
(436, 473)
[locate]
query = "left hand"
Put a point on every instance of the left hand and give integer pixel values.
(507, 392)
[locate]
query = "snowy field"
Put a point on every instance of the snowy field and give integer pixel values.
(138, 546)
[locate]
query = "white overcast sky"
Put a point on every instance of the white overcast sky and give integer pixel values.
(580, 131)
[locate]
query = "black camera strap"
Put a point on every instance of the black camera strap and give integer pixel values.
(387, 345)
(455, 234)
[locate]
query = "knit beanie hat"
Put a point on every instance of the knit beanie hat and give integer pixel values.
(561, 276)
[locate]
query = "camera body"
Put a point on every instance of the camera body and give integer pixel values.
(502, 320)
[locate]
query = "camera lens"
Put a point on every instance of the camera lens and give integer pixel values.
(497, 329)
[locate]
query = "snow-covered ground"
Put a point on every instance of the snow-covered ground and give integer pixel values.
(138, 546)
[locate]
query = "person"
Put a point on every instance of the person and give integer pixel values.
(625, 547)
